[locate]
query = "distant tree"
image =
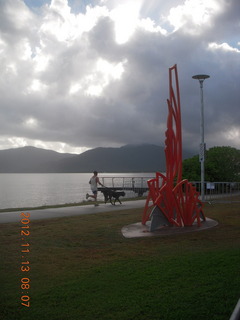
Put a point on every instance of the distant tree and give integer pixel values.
(191, 169)
(222, 164)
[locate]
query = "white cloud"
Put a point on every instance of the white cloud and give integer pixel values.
(19, 142)
(36, 85)
(194, 15)
(223, 46)
(11, 69)
(40, 59)
(31, 123)
(26, 50)
(125, 17)
(103, 73)
(74, 88)
(15, 142)
(233, 134)
(149, 25)
(2, 46)
(109, 70)
(66, 26)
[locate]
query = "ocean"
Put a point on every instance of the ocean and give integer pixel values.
(19, 190)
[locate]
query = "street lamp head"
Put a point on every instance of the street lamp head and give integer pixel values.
(201, 76)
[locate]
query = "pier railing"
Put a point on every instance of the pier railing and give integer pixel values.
(217, 191)
(138, 185)
(214, 191)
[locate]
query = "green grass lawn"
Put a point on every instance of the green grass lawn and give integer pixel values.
(83, 268)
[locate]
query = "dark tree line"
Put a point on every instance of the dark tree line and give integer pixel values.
(221, 164)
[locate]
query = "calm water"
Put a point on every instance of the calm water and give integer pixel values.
(31, 190)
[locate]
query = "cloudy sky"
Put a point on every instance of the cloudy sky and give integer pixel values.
(80, 74)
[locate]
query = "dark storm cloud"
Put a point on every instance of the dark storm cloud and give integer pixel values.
(54, 89)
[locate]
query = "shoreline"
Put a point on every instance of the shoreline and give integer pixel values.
(65, 205)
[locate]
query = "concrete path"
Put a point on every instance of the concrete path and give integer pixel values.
(15, 216)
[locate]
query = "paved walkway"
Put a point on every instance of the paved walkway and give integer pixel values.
(69, 211)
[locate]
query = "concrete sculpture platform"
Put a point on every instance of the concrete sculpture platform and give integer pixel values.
(138, 230)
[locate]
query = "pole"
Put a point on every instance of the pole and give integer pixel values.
(202, 145)
(201, 78)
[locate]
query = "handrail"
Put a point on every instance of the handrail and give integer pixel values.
(213, 190)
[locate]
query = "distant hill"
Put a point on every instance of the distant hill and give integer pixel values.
(29, 160)
(142, 158)
(139, 158)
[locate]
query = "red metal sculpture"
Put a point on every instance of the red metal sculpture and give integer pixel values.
(172, 201)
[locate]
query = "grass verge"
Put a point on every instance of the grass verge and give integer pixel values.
(83, 268)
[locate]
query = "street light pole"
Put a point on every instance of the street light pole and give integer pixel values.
(201, 78)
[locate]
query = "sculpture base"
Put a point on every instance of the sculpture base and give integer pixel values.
(137, 230)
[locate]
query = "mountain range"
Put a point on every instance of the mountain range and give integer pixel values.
(129, 158)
